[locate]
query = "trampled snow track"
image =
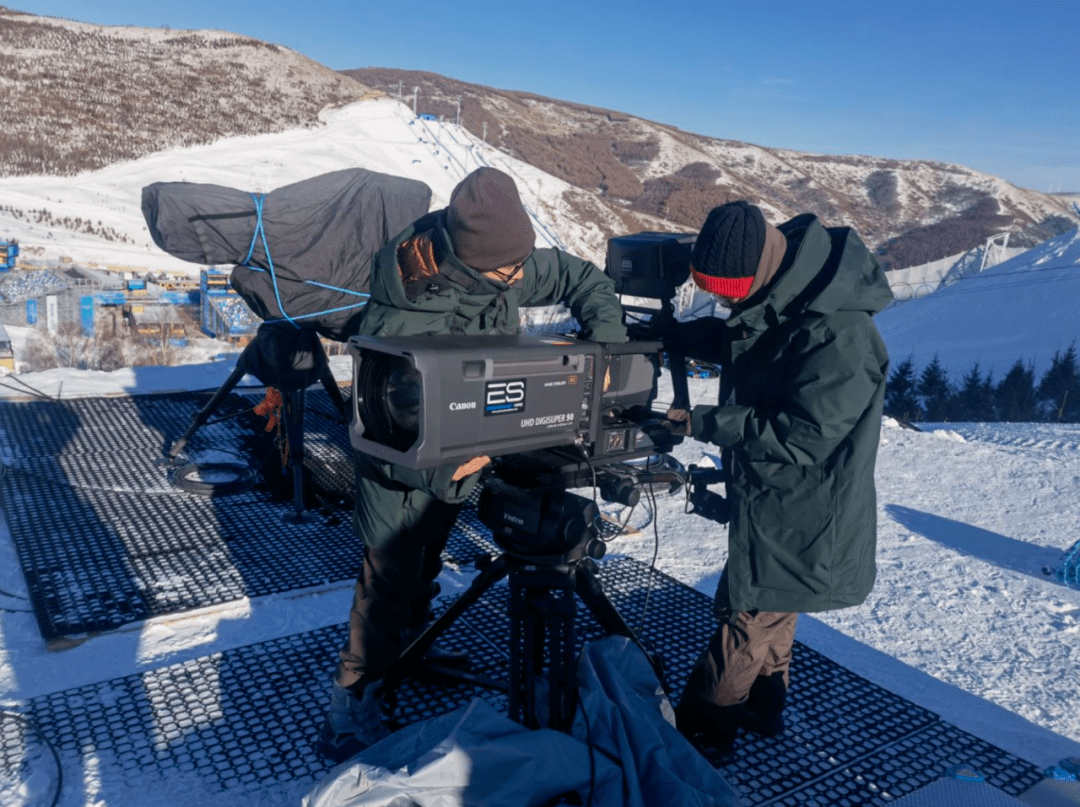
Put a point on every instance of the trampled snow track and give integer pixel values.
(1045, 439)
(973, 519)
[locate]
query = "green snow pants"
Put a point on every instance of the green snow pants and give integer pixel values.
(404, 518)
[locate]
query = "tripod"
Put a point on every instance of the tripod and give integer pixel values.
(290, 360)
(541, 606)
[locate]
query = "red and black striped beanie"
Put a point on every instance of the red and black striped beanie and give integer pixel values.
(728, 249)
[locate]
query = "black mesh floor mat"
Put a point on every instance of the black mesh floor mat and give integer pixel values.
(104, 538)
(251, 715)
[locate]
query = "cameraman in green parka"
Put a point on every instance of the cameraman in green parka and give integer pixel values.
(799, 419)
(465, 270)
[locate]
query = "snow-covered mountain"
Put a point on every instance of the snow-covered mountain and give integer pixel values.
(80, 97)
(96, 216)
(1021, 309)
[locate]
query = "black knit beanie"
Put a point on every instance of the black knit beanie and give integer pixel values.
(728, 249)
(488, 225)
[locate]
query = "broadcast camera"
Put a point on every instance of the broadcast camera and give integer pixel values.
(554, 410)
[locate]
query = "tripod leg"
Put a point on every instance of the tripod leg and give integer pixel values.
(292, 415)
(211, 406)
(592, 594)
(413, 655)
(563, 669)
(542, 654)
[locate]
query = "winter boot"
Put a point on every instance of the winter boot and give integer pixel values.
(714, 727)
(764, 713)
(353, 721)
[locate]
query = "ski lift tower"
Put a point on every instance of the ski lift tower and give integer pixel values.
(9, 251)
(994, 250)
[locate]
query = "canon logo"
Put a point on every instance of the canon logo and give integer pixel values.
(514, 519)
(457, 407)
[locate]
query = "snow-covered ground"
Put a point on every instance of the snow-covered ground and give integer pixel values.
(963, 619)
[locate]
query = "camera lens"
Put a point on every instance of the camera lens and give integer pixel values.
(389, 390)
(402, 395)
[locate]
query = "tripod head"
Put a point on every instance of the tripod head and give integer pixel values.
(547, 528)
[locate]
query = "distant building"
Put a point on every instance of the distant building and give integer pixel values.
(154, 321)
(223, 313)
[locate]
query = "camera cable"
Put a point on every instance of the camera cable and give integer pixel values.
(622, 527)
(595, 492)
(31, 727)
(651, 494)
(213, 478)
(595, 495)
(688, 503)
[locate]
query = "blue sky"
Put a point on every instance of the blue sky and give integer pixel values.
(992, 85)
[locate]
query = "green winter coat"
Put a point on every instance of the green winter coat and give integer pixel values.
(808, 370)
(468, 303)
(460, 300)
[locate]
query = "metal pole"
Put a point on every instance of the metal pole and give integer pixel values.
(415, 94)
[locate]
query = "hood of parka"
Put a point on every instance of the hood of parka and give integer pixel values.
(387, 288)
(825, 270)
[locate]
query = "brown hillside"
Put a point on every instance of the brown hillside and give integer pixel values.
(78, 97)
(659, 170)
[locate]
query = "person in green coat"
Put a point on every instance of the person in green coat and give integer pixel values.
(799, 419)
(466, 269)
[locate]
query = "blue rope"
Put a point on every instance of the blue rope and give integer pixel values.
(260, 233)
(321, 286)
(335, 288)
(255, 232)
(316, 313)
(261, 230)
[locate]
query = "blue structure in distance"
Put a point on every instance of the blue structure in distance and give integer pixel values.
(9, 251)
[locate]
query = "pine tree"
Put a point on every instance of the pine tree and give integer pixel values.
(935, 391)
(989, 390)
(1015, 395)
(1059, 390)
(974, 401)
(901, 401)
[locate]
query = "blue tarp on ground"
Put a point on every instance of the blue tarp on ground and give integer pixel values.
(624, 751)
